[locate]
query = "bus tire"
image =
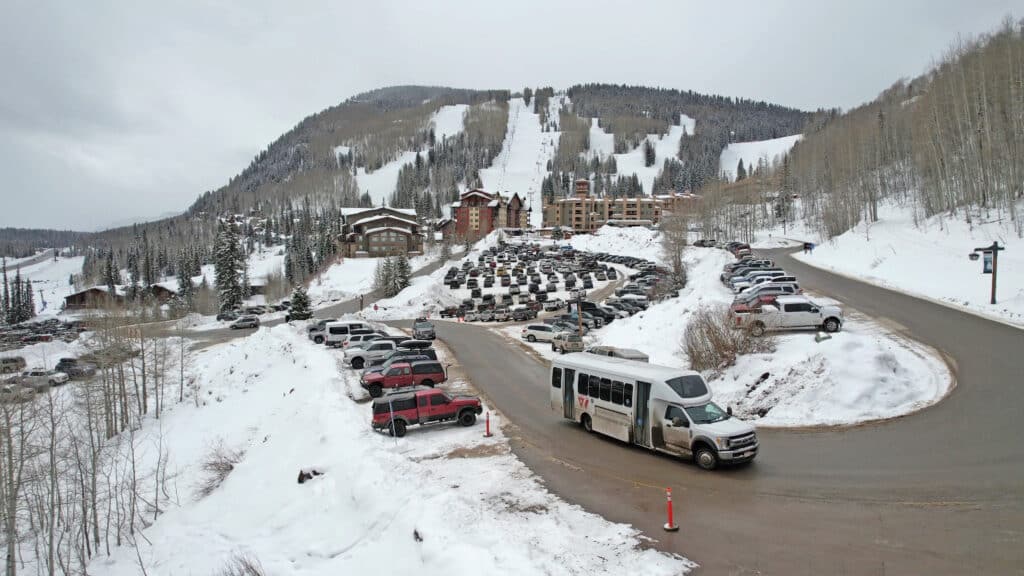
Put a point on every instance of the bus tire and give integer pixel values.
(587, 423)
(705, 457)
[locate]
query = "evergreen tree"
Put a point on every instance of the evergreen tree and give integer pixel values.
(5, 302)
(186, 292)
(299, 304)
(28, 302)
(228, 266)
(741, 172)
(402, 273)
(649, 155)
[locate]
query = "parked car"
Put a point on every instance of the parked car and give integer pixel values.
(14, 393)
(538, 332)
(404, 374)
(396, 412)
(315, 331)
(794, 313)
(521, 314)
(10, 364)
(615, 352)
(360, 357)
(423, 329)
(501, 315)
(229, 316)
(40, 379)
(75, 368)
(382, 364)
(355, 340)
(248, 321)
(565, 342)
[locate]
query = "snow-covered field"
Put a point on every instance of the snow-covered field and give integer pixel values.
(862, 373)
(632, 162)
(354, 276)
(752, 152)
(930, 260)
(53, 278)
(449, 120)
(521, 165)
(442, 499)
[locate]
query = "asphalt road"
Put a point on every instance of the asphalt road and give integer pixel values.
(936, 492)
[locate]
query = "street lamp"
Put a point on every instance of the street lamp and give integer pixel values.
(991, 263)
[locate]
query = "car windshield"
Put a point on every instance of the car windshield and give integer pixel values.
(689, 386)
(706, 414)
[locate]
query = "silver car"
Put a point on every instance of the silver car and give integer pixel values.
(41, 380)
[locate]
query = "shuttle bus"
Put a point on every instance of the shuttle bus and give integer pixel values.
(660, 408)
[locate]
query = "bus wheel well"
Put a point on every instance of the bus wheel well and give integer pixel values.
(586, 422)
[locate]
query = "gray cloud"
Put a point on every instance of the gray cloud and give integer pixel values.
(113, 110)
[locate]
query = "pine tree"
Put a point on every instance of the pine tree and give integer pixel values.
(28, 303)
(227, 266)
(403, 273)
(649, 156)
(741, 172)
(299, 304)
(5, 303)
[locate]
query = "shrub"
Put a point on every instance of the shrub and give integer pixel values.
(712, 343)
(219, 462)
(242, 564)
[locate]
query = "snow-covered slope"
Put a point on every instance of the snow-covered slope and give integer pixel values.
(52, 279)
(930, 260)
(449, 120)
(441, 500)
(521, 165)
(665, 146)
(380, 184)
(752, 152)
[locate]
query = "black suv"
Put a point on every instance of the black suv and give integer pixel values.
(75, 368)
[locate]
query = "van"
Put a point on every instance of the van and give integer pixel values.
(336, 333)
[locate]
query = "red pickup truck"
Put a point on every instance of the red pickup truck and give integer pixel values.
(404, 374)
(397, 411)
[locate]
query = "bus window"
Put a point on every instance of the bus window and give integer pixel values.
(556, 377)
(627, 396)
(595, 387)
(617, 392)
(581, 384)
(606, 390)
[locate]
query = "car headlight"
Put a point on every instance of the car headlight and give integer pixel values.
(723, 443)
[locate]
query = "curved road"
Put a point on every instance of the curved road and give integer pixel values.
(937, 492)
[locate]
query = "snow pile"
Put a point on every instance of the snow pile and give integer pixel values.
(449, 120)
(752, 152)
(930, 260)
(637, 242)
(354, 276)
(51, 277)
(521, 165)
(440, 500)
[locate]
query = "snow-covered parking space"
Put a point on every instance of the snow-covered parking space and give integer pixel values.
(443, 499)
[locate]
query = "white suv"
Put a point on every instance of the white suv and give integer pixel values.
(538, 332)
(795, 313)
(361, 357)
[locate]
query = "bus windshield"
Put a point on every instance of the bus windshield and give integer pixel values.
(706, 414)
(689, 386)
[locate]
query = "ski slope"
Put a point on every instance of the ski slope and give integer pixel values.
(751, 152)
(51, 281)
(665, 146)
(522, 163)
(449, 120)
(380, 184)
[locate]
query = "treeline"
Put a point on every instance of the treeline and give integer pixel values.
(17, 304)
(433, 178)
(632, 112)
(24, 242)
(950, 141)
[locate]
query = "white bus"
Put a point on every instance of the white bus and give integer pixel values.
(657, 407)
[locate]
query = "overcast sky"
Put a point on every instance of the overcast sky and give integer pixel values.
(112, 111)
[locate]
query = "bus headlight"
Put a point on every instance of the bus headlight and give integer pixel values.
(723, 443)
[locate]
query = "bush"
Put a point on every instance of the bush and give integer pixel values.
(242, 564)
(712, 343)
(220, 461)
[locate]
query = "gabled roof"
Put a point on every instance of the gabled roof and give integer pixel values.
(385, 217)
(476, 192)
(352, 210)
(405, 231)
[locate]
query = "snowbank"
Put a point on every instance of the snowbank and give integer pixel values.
(521, 165)
(930, 260)
(441, 500)
(752, 152)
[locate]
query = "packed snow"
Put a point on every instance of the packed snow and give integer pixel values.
(930, 259)
(380, 184)
(441, 499)
(354, 276)
(665, 146)
(862, 373)
(602, 144)
(449, 120)
(752, 153)
(521, 165)
(51, 281)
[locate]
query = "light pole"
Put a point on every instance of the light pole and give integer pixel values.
(991, 262)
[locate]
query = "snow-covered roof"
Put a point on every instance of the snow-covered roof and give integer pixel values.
(477, 192)
(492, 203)
(456, 204)
(386, 216)
(352, 210)
(388, 229)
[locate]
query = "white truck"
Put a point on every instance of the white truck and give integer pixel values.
(359, 358)
(794, 313)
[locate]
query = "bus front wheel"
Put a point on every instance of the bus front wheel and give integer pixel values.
(586, 423)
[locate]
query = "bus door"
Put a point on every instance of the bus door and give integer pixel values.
(641, 414)
(568, 402)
